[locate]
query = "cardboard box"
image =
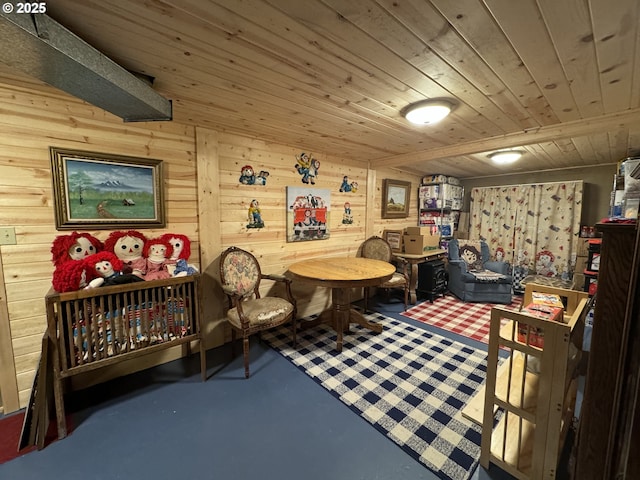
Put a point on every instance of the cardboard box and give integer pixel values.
(418, 230)
(536, 335)
(549, 299)
(583, 247)
(418, 244)
(581, 264)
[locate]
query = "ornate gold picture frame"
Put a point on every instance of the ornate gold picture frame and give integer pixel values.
(103, 191)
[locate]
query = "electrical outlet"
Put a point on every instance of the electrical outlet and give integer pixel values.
(7, 236)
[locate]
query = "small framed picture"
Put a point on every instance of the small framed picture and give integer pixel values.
(395, 198)
(394, 238)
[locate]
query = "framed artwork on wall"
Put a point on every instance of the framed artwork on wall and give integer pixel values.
(308, 213)
(102, 191)
(394, 238)
(396, 195)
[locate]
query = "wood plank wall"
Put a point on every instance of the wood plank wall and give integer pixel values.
(204, 200)
(35, 117)
(269, 244)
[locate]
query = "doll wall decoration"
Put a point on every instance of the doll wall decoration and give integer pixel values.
(347, 218)
(307, 167)
(254, 214)
(348, 187)
(128, 247)
(248, 176)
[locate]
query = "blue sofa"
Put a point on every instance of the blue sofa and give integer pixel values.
(467, 287)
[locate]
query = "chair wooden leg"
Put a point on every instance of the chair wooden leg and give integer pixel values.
(245, 354)
(406, 298)
(366, 299)
(233, 343)
(295, 329)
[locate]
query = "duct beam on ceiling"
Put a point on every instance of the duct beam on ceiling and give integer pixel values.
(42, 48)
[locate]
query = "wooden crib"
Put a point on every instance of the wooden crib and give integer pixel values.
(91, 329)
(535, 388)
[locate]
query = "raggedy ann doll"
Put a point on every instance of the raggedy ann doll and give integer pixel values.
(74, 246)
(108, 269)
(71, 276)
(68, 251)
(177, 262)
(128, 247)
(157, 252)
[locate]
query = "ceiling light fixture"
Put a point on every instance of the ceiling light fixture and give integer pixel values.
(428, 112)
(504, 157)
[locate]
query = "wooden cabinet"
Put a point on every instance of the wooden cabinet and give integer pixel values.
(608, 436)
(530, 397)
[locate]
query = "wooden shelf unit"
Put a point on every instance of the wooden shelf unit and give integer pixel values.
(609, 431)
(535, 406)
(90, 329)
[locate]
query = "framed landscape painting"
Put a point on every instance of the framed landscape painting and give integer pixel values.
(103, 191)
(395, 198)
(394, 239)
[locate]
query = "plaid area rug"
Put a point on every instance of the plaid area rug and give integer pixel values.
(471, 320)
(409, 384)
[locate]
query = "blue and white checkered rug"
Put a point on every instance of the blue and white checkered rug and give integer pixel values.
(410, 384)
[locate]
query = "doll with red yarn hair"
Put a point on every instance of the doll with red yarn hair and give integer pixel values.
(67, 252)
(71, 276)
(177, 262)
(128, 247)
(157, 252)
(107, 268)
(74, 246)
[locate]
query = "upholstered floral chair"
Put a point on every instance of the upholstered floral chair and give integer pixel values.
(473, 277)
(379, 249)
(249, 313)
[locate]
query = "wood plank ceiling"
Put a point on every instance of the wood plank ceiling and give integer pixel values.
(559, 78)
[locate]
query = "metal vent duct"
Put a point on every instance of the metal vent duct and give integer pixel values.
(44, 49)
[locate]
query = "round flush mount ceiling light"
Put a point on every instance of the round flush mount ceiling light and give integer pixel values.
(427, 112)
(505, 157)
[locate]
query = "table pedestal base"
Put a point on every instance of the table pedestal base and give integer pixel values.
(341, 315)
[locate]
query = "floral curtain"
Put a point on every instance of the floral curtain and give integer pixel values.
(535, 227)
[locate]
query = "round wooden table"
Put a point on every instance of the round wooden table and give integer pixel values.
(341, 274)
